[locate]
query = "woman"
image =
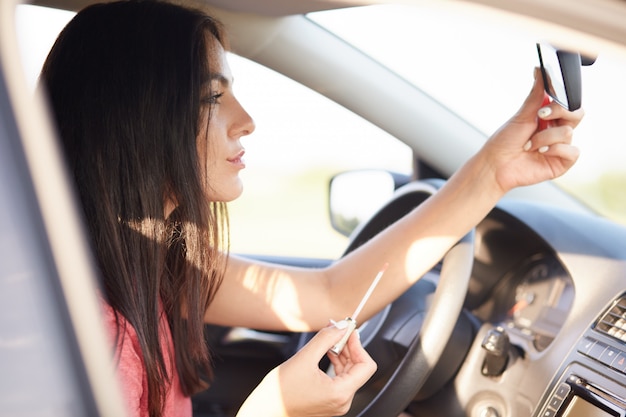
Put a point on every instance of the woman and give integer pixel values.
(142, 95)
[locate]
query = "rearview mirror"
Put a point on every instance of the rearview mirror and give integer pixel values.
(561, 74)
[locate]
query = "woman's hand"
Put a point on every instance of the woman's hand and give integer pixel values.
(522, 154)
(299, 388)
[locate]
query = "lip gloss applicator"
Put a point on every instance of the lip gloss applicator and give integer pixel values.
(350, 322)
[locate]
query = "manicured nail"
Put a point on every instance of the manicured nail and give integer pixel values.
(543, 149)
(544, 112)
(528, 145)
(341, 324)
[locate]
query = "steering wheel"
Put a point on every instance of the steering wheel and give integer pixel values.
(410, 336)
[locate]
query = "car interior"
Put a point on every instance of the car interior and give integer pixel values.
(525, 316)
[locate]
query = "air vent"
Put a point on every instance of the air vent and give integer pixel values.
(613, 323)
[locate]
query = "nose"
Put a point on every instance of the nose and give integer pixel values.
(244, 123)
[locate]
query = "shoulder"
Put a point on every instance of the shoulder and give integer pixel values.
(121, 333)
(127, 358)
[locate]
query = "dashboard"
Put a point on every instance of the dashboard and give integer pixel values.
(553, 282)
(531, 302)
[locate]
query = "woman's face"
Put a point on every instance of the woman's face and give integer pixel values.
(219, 146)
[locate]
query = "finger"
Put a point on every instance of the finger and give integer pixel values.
(528, 111)
(355, 350)
(344, 360)
(557, 113)
(354, 359)
(338, 361)
(549, 137)
(326, 338)
(567, 154)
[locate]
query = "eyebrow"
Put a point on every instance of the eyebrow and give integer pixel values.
(219, 77)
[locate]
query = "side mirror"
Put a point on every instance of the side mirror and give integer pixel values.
(561, 74)
(355, 196)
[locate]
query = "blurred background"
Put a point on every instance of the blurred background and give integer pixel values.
(286, 180)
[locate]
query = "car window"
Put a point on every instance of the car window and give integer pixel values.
(37, 28)
(481, 68)
(301, 140)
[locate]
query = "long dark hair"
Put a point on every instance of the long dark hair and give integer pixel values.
(124, 80)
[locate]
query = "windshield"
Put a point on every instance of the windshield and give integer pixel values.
(481, 68)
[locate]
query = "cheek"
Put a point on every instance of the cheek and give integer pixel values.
(205, 143)
(202, 136)
(221, 181)
(207, 159)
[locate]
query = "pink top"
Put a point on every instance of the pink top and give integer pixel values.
(132, 374)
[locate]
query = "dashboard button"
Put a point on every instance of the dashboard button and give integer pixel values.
(608, 356)
(555, 402)
(585, 345)
(597, 350)
(562, 390)
(620, 362)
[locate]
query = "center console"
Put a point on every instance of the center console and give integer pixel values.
(593, 381)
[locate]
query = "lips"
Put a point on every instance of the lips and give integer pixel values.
(237, 159)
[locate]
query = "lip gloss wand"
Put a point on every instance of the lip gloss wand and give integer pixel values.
(350, 322)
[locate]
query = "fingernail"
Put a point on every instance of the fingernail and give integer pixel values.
(341, 324)
(543, 149)
(544, 112)
(528, 145)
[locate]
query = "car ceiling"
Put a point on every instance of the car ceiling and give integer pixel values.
(264, 7)
(602, 18)
(253, 20)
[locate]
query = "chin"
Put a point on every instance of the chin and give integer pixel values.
(227, 195)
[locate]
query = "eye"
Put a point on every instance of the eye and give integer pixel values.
(213, 99)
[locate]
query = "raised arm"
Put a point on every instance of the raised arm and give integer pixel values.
(518, 154)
